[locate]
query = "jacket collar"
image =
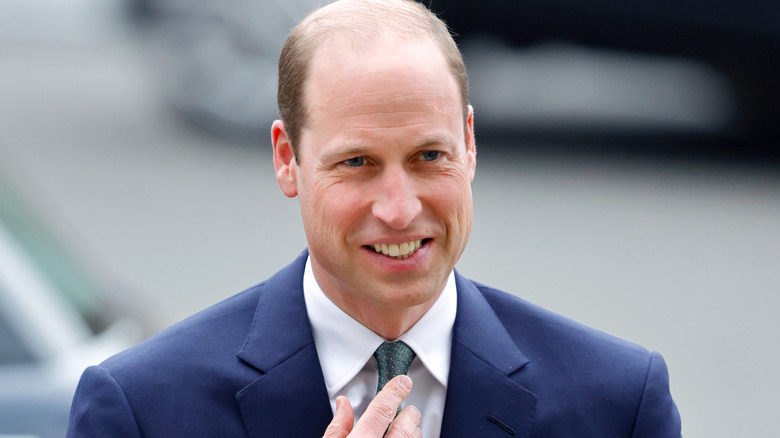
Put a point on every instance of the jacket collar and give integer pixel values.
(289, 398)
(281, 326)
(482, 400)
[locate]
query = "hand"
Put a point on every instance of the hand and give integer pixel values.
(379, 414)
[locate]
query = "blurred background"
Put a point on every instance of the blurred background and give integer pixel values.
(628, 177)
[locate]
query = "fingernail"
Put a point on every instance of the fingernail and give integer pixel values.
(405, 382)
(339, 402)
(415, 412)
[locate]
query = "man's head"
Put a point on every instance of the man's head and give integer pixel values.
(355, 22)
(387, 160)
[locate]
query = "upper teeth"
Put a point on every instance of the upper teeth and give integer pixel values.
(398, 250)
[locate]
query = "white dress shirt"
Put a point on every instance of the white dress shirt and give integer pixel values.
(346, 352)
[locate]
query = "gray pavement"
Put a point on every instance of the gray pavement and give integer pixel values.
(680, 258)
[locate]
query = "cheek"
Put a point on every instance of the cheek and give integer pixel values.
(454, 184)
(333, 207)
(451, 200)
(461, 220)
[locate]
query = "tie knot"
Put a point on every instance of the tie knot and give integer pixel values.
(393, 359)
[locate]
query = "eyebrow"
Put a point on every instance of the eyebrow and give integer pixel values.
(436, 140)
(350, 151)
(356, 151)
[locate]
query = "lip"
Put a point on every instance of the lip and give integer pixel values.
(397, 239)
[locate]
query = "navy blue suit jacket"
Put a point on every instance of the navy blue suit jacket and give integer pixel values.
(248, 367)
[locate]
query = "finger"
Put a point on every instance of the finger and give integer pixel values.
(406, 424)
(343, 419)
(383, 408)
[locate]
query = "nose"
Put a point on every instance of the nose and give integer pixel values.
(396, 203)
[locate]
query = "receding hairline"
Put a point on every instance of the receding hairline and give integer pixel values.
(358, 25)
(357, 15)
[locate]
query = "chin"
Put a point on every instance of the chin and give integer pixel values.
(410, 295)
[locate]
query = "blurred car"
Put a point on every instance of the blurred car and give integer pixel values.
(54, 322)
(736, 40)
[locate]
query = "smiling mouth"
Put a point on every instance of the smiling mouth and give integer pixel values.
(398, 251)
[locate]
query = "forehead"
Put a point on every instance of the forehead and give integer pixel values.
(388, 76)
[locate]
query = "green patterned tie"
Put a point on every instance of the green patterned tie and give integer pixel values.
(393, 359)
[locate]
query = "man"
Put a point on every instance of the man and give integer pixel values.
(377, 142)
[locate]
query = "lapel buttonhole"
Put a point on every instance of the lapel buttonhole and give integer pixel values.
(501, 424)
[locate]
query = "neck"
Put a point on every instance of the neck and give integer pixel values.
(389, 323)
(389, 309)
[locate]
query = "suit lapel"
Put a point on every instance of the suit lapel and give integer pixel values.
(481, 398)
(289, 398)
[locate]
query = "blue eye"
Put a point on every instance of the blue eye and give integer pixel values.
(356, 162)
(430, 155)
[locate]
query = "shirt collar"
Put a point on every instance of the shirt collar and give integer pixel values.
(344, 345)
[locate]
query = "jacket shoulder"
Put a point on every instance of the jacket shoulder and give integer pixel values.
(586, 380)
(535, 328)
(216, 330)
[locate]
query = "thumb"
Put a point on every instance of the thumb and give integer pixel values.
(343, 420)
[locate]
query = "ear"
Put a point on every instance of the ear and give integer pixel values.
(471, 145)
(284, 160)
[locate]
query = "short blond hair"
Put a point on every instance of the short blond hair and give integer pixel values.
(356, 22)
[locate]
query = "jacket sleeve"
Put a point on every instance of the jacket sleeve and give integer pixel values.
(100, 408)
(657, 416)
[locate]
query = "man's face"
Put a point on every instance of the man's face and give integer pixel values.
(384, 181)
